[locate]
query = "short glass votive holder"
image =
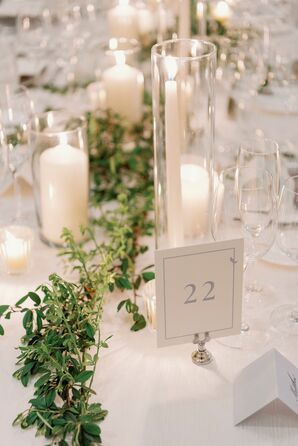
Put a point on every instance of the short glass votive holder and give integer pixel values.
(15, 248)
(60, 171)
(149, 296)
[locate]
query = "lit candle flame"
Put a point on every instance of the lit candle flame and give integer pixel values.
(222, 11)
(200, 10)
(171, 67)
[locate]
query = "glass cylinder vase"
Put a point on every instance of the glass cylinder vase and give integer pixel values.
(60, 171)
(183, 76)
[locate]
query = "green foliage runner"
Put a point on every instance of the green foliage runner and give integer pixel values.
(62, 342)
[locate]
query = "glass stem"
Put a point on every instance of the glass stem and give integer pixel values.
(17, 193)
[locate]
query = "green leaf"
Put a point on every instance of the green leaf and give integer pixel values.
(83, 376)
(123, 283)
(3, 308)
(120, 305)
(139, 324)
(27, 320)
(92, 429)
(1, 330)
(148, 275)
(22, 300)
(38, 321)
(90, 331)
(50, 397)
(42, 380)
(124, 265)
(34, 297)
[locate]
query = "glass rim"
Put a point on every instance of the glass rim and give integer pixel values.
(236, 170)
(69, 115)
(208, 55)
(254, 140)
(286, 183)
(133, 43)
(14, 90)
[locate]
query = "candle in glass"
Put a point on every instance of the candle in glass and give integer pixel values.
(64, 188)
(202, 18)
(146, 23)
(124, 87)
(173, 155)
(15, 248)
(195, 199)
(123, 21)
(184, 19)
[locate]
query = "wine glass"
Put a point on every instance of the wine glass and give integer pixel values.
(260, 153)
(244, 207)
(16, 109)
(33, 39)
(285, 317)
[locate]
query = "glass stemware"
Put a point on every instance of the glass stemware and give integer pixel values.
(285, 317)
(16, 109)
(261, 153)
(245, 206)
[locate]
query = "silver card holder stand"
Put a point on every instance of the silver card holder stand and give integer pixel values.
(201, 356)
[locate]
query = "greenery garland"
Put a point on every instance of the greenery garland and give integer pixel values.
(62, 342)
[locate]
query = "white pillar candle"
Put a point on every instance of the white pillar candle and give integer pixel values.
(124, 87)
(173, 156)
(146, 23)
(122, 21)
(184, 19)
(222, 12)
(202, 18)
(195, 199)
(64, 189)
(15, 248)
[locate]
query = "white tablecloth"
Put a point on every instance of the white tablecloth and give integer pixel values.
(157, 396)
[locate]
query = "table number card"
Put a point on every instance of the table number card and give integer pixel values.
(198, 289)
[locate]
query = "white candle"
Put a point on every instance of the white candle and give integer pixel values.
(124, 87)
(222, 12)
(64, 189)
(123, 21)
(173, 156)
(97, 96)
(15, 248)
(146, 23)
(184, 19)
(202, 18)
(195, 199)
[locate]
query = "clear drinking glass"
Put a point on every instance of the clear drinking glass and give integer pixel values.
(285, 317)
